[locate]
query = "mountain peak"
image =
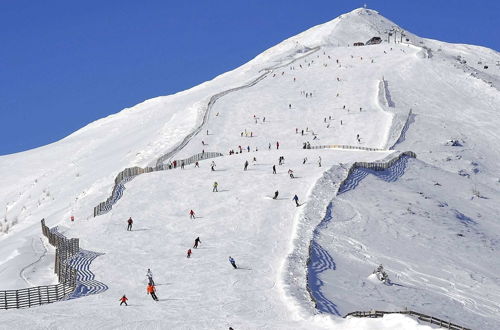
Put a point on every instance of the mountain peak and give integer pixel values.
(358, 25)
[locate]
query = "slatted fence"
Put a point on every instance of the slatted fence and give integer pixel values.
(344, 146)
(131, 172)
(39, 295)
(419, 316)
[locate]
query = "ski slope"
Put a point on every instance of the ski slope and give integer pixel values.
(356, 96)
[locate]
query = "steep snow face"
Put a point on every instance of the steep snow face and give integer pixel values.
(317, 88)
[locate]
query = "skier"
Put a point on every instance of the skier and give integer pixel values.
(319, 161)
(189, 253)
(130, 222)
(191, 215)
(182, 165)
(277, 145)
(215, 187)
(212, 166)
(296, 199)
(276, 194)
(123, 300)
(196, 164)
(149, 275)
(152, 291)
(274, 169)
(196, 242)
(269, 146)
(233, 263)
(290, 173)
(305, 160)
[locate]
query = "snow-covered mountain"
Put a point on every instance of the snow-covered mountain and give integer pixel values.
(431, 221)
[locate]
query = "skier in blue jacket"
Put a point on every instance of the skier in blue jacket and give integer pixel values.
(231, 260)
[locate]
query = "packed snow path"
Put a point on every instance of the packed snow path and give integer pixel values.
(159, 164)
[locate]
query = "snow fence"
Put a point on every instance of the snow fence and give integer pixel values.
(129, 173)
(73, 273)
(66, 274)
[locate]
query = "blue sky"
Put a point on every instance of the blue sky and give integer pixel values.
(64, 64)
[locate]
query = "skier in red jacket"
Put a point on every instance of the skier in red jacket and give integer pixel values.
(189, 253)
(123, 300)
(191, 214)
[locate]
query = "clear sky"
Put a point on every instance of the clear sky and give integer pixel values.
(64, 64)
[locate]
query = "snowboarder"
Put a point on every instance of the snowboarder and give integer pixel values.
(123, 300)
(189, 253)
(196, 242)
(130, 222)
(296, 199)
(191, 215)
(152, 291)
(274, 169)
(149, 275)
(233, 263)
(276, 194)
(215, 187)
(290, 173)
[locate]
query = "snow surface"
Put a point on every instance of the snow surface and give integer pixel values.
(431, 222)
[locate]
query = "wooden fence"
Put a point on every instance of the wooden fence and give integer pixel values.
(131, 172)
(344, 146)
(381, 165)
(419, 316)
(39, 295)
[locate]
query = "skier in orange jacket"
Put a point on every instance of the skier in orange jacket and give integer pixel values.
(152, 291)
